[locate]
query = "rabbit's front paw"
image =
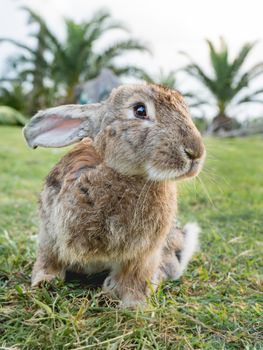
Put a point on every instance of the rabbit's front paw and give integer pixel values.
(109, 286)
(130, 301)
(41, 277)
(129, 297)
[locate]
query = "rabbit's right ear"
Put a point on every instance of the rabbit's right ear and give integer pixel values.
(63, 125)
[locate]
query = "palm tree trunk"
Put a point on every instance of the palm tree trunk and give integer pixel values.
(70, 96)
(222, 122)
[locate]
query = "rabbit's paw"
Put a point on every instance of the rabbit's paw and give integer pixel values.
(128, 298)
(130, 301)
(41, 277)
(110, 286)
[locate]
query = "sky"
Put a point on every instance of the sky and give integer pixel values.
(167, 26)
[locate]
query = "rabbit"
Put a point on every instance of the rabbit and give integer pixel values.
(111, 201)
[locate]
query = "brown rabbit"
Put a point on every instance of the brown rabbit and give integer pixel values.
(111, 201)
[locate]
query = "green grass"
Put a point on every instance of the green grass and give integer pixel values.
(217, 304)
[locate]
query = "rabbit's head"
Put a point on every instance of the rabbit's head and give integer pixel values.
(140, 130)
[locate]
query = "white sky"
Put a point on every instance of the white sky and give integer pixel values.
(168, 26)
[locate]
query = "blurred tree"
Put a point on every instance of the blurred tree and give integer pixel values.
(227, 81)
(32, 65)
(54, 67)
(76, 60)
(14, 95)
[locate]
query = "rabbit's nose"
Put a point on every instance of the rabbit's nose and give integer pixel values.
(194, 153)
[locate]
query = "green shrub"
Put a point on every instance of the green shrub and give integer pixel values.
(10, 116)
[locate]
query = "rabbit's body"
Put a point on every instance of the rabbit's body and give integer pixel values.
(111, 202)
(118, 217)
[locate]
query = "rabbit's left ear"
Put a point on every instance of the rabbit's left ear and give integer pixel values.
(63, 125)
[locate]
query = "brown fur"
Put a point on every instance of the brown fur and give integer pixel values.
(111, 202)
(121, 197)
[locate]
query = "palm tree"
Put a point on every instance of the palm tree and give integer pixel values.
(75, 59)
(228, 81)
(32, 66)
(56, 67)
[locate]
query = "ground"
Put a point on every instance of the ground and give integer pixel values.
(217, 304)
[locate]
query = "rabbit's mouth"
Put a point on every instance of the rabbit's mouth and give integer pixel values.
(191, 169)
(195, 168)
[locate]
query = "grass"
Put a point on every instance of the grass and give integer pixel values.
(217, 304)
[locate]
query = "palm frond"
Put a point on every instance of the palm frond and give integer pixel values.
(197, 72)
(240, 58)
(44, 34)
(33, 16)
(252, 97)
(251, 100)
(244, 80)
(122, 46)
(218, 58)
(255, 71)
(100, 23)
(17, 44)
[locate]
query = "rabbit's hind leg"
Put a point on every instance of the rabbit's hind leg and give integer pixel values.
(181, 244)
(45, 269)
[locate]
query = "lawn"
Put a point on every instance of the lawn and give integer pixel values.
(217, 304)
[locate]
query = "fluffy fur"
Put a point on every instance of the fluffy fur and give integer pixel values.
(111, 201)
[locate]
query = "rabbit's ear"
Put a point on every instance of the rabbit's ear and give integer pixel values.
(63, 125)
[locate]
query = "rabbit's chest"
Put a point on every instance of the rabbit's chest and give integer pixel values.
(133, 214)
(138, 225)
(140, 209)
(117, 217)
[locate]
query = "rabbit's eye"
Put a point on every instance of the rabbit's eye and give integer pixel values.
(139, 111)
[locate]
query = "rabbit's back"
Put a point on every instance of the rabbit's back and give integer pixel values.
(88, 209)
